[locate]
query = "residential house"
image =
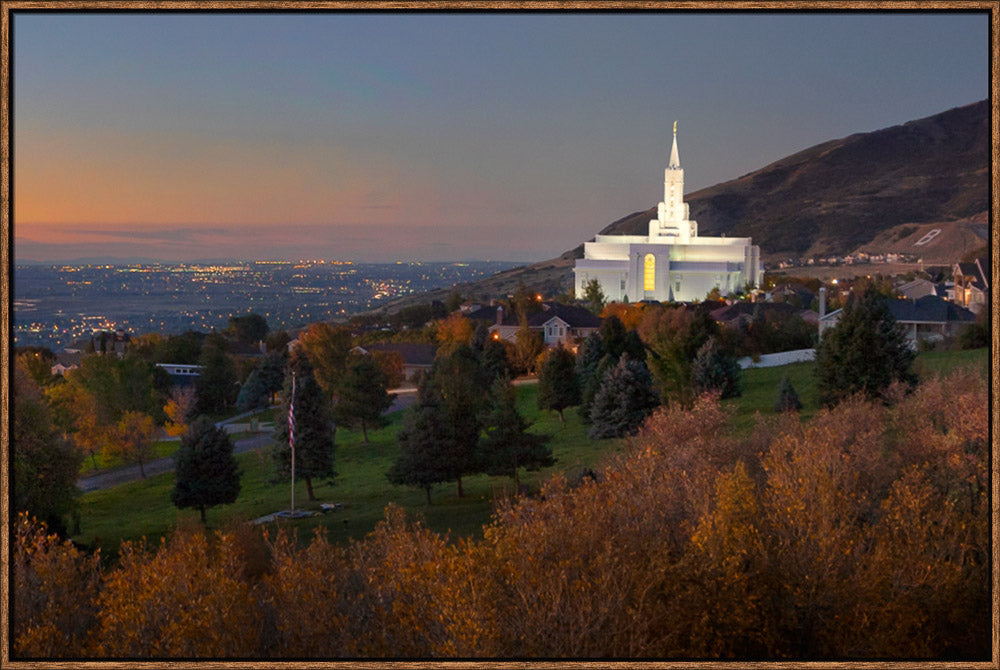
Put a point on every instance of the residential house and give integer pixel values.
(929, 318)
(972, 284)
(65, 361)
(417, 357)
(557, 323)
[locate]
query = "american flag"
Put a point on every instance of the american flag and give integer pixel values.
(291, 417)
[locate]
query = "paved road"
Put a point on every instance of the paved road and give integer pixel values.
(107, 479)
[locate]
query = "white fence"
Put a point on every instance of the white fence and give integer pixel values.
(781, 358)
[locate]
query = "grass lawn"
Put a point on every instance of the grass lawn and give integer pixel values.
(143, 508)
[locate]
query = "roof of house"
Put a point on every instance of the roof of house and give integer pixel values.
(413, 353)
(487, 313)
(742, 308)
(978, 270)
(929, 308)
(575, 317)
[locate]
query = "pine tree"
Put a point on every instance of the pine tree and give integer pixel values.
(253, 394)
(216, 385)
(314, 434)
(507, 446)
(713, 370)
(206, 472)
(461, 381)
(788, 399)
(558, 386)
(589, 390)
(362, 396)
(623, 401)
(419, 463)
(865, 352)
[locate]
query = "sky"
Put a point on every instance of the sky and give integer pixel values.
(433, 136)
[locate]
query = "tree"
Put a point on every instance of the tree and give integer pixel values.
(624, 400)
(45, 466)
(206, 472)
(132, 439)
(558, 386)
(179, 409)
(327, 348)
(452, 332)
(362, 396)
(673, 335)
(788, 399)
(528, 346)
(715, 371)
(454, 301)
(38, 361)
(495, 360)
(864, 353)
(248, 329)
(254, 394)
(507, 446)
(314, 434)
(420, 441)
(593, 295)
(461, 381)
(216, 385)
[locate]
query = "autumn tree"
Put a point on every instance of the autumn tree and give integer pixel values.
(132, 439)
(865, 352)
(528, 346)
(507, 446)
(361, 396)
(452, 332)
(673, 335)
(558, 386)
(179, 410)
(206, 472)
(328, 348)
(45, 466)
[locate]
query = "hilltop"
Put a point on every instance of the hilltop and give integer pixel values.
(877, 192)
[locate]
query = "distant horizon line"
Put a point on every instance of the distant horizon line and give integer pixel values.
(118, 260)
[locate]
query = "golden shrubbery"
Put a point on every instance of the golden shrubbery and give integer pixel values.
(862, 533)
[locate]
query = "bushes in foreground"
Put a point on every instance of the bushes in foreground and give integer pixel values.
(862, 533)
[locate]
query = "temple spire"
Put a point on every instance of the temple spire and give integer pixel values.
(675, 161)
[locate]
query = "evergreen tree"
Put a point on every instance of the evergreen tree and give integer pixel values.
(461, 381)
(424, 432)
(865, 352)
(624, 400)
(714, 370)
(206, 473)
(593, 384)
(361, 395)
(314, 433)
(507, 446)
(495, 361)
(216, 384)
(253, 394)
(594, 296)
(788, 399)
(558, 386)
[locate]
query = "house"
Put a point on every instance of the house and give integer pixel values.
(181, 374)
(918, 288)
(417, 357)
(929, 318)
(557, 324)
(742, 311)
(66, 360)
(972, 284)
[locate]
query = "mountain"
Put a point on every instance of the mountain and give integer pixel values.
(840, 195)
(881, 191)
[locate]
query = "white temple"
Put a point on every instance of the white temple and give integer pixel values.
(672, 262)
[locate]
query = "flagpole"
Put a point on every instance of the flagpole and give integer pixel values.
(291, 436)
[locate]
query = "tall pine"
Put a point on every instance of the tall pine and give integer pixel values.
(624, 400)
(507, 446)
(206, 472)
(314, 433)
(361, 395)
(558, 386)
(419, 462)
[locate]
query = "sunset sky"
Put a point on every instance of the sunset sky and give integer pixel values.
(381, 136)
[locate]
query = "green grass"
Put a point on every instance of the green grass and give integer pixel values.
(143, 508)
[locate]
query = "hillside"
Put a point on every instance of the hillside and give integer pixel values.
(839, 195)
(879, 192)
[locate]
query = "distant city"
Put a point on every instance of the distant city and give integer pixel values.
(55, 305)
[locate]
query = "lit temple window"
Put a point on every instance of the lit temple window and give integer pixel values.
(649, 273)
